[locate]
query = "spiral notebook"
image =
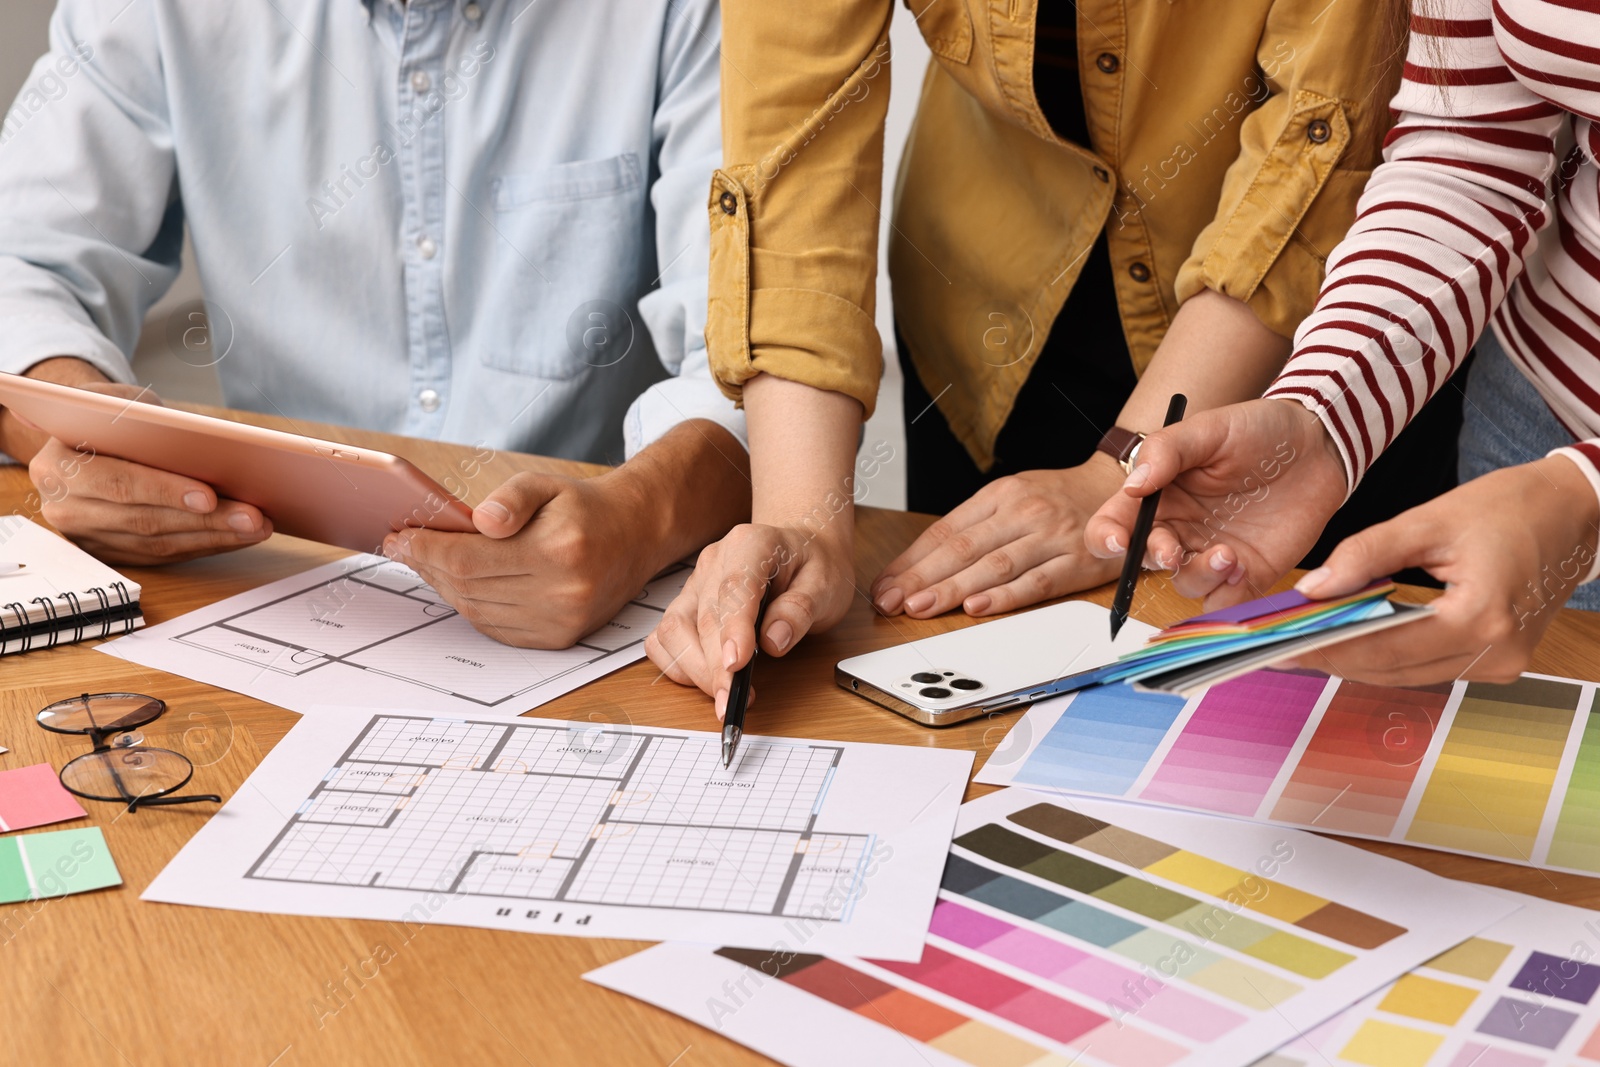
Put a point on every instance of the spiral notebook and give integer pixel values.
(61, 594)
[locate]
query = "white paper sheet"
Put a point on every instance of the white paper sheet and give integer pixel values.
(557, 827)
(1265, 954)
(365, 631)
(1523, 993)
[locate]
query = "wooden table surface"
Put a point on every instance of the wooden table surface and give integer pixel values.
(106, 978)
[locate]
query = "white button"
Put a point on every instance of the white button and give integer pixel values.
(421, 82)
(428, 400)
(426, 246)
(473, 12)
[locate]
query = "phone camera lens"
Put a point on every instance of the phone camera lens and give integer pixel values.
(935, 692)
(966, 683)
(926, 677)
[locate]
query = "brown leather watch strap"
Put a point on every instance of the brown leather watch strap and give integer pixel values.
(1120, 443)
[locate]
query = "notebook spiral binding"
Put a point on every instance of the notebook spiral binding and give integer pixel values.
(114, 609)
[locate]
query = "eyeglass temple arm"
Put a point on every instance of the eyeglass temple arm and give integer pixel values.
(197, 798)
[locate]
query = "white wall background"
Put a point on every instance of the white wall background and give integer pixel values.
(23, 38)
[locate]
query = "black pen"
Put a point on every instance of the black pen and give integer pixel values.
(739, 689)
(1134, 561)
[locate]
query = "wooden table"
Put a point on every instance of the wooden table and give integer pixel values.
(105, 978)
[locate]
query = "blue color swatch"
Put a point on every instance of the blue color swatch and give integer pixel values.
(1102, 741)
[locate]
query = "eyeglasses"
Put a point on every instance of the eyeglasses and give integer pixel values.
(120, 769)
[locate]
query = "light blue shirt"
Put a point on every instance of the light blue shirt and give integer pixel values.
(473, 220)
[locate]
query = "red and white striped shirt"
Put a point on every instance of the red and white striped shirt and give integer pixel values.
(1447, 235)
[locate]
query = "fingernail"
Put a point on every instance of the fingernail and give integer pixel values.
(889, 602)
(241, 522)
(722, 704)
(1221, 562)
(779, 634)
(1237, 576)
(922, 601)
(1310, 583)
(730, 654)
(1137, 477)
(495, 510)
(978, 603)
(1114, 545)
(195, 500)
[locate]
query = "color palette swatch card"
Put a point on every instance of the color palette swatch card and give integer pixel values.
(55, 864)
(1520, 994)
(34, 796)
(1088, 936)
(1511, 772)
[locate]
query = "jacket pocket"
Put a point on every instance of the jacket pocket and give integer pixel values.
(568, 241)
(946, 26)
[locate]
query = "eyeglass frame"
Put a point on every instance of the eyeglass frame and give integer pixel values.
(99, 736)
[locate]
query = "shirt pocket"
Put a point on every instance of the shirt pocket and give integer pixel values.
(568, 239)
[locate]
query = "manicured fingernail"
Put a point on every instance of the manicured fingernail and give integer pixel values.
(195, 500)
(978, 603)
(241, 522)
(1310, 583)
(1137, 477)
(1114, 545)
(730, 654)
(889, 602)
(1221, 562)
(779, 634)
(722, 704)
(922, 601)
(495, 510)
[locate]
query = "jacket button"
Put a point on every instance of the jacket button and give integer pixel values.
(1139, 272)
(1107, 63)
(1103, 174)
(1318, 131)
(730, 204)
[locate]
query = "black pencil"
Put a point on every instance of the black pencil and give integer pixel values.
(1132, 563)
(739, 689)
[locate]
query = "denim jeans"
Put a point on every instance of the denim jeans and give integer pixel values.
(1505, 422)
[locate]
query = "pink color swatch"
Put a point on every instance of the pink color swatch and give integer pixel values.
(1234, 744)
(34, 796)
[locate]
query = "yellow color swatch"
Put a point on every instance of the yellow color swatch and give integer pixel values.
(1381, 1044)
(1278, 901)
(1243, 984)
(1476, 957)
(1196, 872)
(1429, 999)
(1230, 883)
(984, 1046)
(1299, 955)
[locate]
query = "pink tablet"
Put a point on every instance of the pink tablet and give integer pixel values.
(337, 494)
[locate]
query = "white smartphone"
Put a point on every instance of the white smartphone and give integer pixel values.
(994, 666)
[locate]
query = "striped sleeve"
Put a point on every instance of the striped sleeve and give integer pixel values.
(1441, 231)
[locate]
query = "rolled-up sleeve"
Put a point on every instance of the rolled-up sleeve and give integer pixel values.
(688, 147)
(90, 229)
(1304, 157)
(794, 209)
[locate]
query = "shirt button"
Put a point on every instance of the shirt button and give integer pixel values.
(1103, 174)
(1318, 131)
(421, 82)
(1139, 272)
(428, 400)
(473, 12)
(427, 248)
(730, 204)
(1107, 63)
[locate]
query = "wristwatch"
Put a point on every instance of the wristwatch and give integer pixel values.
(1121, 445)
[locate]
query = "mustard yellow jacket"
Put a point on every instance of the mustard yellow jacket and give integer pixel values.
(1230, 140)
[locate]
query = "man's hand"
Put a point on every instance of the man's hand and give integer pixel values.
(126, 513)
(1509, 546)
(709, 631)
(556, 558)
(1017, 541)
(1246, 490)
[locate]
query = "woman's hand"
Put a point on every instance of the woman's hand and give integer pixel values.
(1510, 547)
(1246, 491)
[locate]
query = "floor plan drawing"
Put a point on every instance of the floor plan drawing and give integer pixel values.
(577, 816)
(584, 829)
(331, 635)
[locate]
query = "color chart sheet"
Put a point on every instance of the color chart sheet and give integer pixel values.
(1521, 994)
(1087, 936)
(1511, 772)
